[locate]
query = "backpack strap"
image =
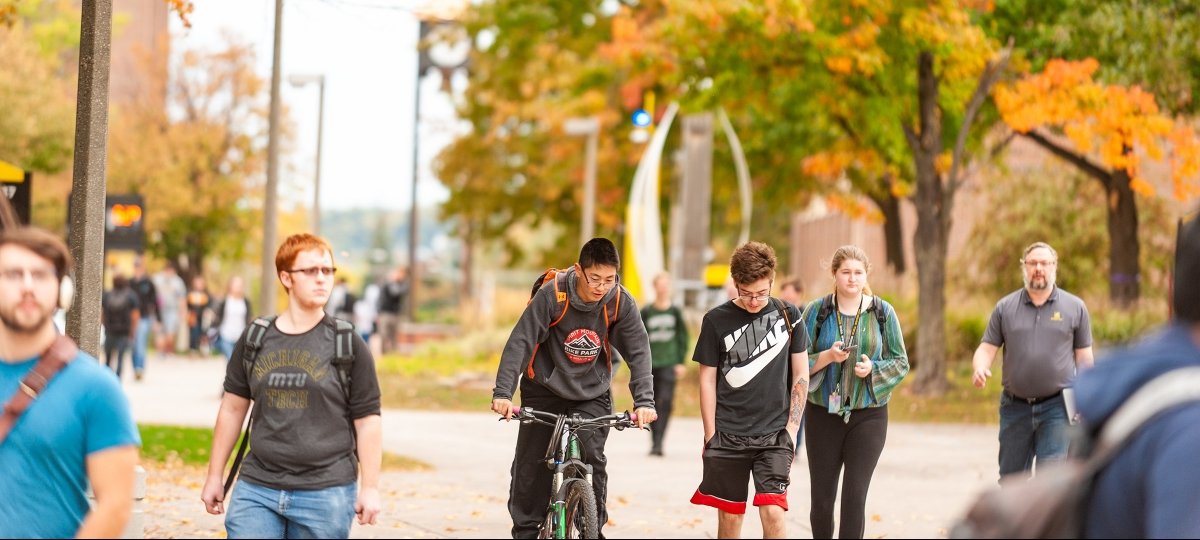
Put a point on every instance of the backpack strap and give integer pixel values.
(250, 348)
(343, 360)
(561, 297)
(787, 319)
(823, 313)
(609, 322)
(60, 353)
(1173, 388)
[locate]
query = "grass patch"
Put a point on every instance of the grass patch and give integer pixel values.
(191, 446)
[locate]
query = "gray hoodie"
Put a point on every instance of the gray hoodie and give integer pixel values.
(570, 358)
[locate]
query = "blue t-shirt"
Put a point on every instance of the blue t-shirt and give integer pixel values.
(44, 459)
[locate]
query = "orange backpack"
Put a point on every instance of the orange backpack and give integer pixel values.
(561, 296)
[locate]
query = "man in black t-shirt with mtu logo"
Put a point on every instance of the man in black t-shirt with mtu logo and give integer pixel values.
(753, 387)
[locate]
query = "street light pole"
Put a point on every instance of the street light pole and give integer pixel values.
(298, 81)
(270, 202)
(589, 126)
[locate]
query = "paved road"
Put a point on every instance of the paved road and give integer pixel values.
(926, 475)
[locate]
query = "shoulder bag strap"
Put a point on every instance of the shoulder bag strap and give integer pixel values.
(57, 356)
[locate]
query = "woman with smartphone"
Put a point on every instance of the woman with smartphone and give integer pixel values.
(856, 358)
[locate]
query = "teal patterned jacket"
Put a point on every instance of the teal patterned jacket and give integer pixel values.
(884, 346)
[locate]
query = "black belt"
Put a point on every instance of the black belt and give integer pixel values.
(1032, 401)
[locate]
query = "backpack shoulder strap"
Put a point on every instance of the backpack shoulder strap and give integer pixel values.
(1166, 391)
(825, 310)
(562, 297)
(787, 319)
(250, 348)
(254, 340)
(343, 347)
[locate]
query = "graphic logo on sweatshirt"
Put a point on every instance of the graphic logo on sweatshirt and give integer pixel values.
(582, 346)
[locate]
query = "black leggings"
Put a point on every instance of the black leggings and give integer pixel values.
(833, 444)
(664, 399)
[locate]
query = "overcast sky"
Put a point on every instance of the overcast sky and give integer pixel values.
(367, 51)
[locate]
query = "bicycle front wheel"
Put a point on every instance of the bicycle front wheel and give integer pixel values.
(580, 512)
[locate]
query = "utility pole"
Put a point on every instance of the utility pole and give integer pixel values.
(270, 200)
(88, 178)
(588, 126)
(298, 81)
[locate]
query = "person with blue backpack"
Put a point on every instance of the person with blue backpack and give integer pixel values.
(315, 426)
(559, 354)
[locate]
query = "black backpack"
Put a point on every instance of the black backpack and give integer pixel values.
(1053, 504)
(827, 307)
(343, 361)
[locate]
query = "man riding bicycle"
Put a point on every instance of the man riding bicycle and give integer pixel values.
(559, 351)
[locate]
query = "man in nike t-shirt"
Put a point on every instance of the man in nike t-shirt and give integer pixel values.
(753, 386)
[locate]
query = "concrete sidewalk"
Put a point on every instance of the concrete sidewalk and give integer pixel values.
(926, 476)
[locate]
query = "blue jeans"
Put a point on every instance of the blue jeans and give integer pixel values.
(226, 347)
(140, 337)
(257, 511)
(1028, 431)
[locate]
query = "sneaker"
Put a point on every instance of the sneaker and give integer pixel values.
(656, 452)
(137, 375)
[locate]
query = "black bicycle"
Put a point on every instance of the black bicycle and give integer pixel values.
(572, 510)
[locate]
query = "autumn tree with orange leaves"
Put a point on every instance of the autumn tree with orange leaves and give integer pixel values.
(1106, 131)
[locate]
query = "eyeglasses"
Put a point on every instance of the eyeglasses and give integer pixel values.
(598, 284)
(40, 276)
(312, 272)
(761, 295)
(1043, 264)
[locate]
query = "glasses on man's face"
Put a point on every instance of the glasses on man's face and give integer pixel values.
(39, 276)
(597, 282)
(314, 271)
(754, 297)
(1043, 264)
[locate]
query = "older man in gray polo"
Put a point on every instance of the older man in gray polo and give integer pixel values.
(1047, 337)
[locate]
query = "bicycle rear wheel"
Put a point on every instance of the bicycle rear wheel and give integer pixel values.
(581, 513)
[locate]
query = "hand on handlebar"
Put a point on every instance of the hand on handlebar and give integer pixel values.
(503, 407)
(642, 417)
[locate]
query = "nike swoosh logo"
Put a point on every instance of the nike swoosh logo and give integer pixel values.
(776, 341)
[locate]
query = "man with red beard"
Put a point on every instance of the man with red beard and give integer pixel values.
(76, 428)
(1047, 338)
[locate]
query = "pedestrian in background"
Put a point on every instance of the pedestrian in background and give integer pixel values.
(149, 319)
(1047, 338)
(393, 297)
(231, 315)
(668, 344)
(198, 315)
(120, 315)
(172, 309)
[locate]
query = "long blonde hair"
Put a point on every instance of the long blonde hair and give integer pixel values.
(851, 252)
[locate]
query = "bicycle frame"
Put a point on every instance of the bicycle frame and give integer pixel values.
(565, 456)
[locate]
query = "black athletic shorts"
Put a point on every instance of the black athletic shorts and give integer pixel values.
(728, 462)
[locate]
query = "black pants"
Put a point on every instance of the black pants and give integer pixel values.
(664, 398)
(529, 492)
(833, 444)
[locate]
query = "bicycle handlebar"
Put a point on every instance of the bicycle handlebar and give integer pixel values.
(619, 420)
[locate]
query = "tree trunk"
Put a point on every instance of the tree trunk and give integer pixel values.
(1124, 250)
(893, 230)
(930, 242)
